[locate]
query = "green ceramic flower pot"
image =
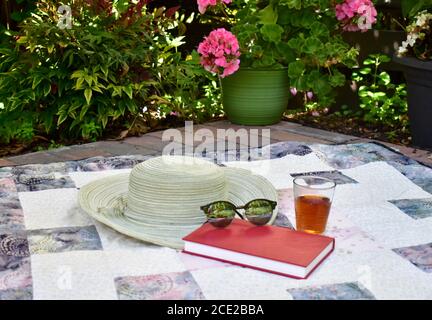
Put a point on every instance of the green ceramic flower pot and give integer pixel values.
(255, 97)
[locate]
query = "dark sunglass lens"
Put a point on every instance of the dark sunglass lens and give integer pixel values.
(220, 214)
(259, 212)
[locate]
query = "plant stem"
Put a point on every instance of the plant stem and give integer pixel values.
(220, 85)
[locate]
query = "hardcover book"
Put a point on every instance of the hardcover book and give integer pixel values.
(267, 248)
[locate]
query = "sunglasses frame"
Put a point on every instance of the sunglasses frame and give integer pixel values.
(273, 205)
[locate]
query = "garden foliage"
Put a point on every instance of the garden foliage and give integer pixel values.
(303, 36)
(381, 101)
(119, 61)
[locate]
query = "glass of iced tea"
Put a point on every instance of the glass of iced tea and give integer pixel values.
(313, 197)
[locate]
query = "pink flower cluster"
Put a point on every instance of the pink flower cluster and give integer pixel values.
(220, 52)
(203, 4)
(356, 15)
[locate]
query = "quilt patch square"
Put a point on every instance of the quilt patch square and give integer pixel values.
(352, 155)
(25, 293)
(72, 275)
(282, 149)
(168, 286)
(337, 176)
(42, 179)
(415, 208)
(64, 239)
(417, 173)
(338, 291)
(15, 269)
(143, 261)
(11, 214)
(55, 208)
(14, 244)
(420, 256)
(283, 221)
(108, 163)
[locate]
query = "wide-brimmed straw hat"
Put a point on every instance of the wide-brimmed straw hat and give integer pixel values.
(159, 201)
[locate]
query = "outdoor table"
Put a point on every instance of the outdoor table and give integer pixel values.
(381, 218)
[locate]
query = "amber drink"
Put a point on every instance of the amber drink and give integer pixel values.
(313, 197)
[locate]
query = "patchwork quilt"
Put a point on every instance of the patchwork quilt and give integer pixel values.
(381, 218)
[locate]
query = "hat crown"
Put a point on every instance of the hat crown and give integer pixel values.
(171, 189)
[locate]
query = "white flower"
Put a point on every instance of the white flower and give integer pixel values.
(422, 19)
(411, 39)
(416, 32)
(402, 51)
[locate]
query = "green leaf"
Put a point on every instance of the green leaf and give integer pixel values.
(36, 81)
(284, 16)
(293, 4)
(307, 19)
(312, 44)
(296, 69)
(83, 112)
(62, 118)
(88, 79)
(300, 83)
(88, 95)
(47, 89)
(121, 5)
(296, 43)
(368, 61)
(384, 58)
(319, 83)
(104, 120)
(284, 50)
(337, 79)
(77, 74)
(384, 77)
(79, 83)
(365, 70)
(319, 29)
(272, 32)
(128, 91)
(268, 15)
(378, 95)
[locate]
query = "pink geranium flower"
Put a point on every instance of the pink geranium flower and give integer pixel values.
(356, 15)
(203, 4)
(220, 52)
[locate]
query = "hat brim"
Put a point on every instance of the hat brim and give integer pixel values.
(243, 186)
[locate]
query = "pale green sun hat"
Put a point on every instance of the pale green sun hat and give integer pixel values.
(160, 200)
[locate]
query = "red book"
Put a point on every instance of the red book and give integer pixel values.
(267, 248)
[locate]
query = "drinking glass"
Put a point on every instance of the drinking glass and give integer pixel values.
(313, 196)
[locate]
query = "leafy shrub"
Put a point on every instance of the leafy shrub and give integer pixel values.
(300, 35)
(118, 62)
(381, 101)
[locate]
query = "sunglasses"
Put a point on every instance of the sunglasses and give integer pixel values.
(221, 213)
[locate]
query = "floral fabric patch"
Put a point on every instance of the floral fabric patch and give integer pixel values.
(168, 286)
(64, 239)
(420, 256)
(336, 176)
(338, 291)
(415, 208)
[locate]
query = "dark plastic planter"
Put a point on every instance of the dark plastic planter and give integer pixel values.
(255, 97)
(418, 75)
